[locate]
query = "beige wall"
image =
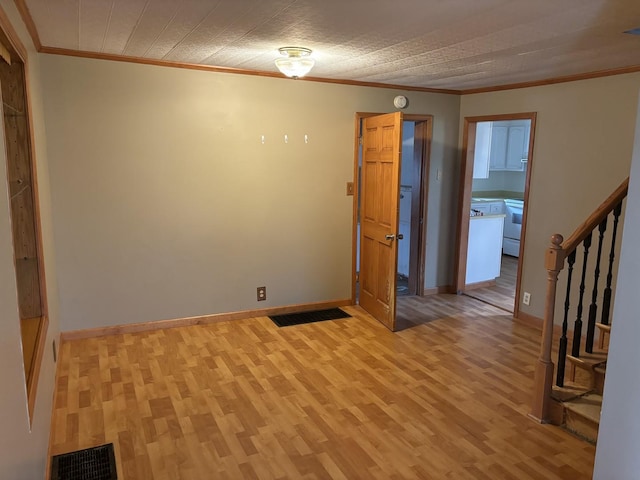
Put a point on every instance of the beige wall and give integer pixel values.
(582, 152)
(24, 447)
(619, 432)
(167, 205)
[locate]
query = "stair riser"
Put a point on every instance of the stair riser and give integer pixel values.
(581, 426)
(598, 382)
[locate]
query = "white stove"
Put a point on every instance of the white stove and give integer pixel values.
(512, 227)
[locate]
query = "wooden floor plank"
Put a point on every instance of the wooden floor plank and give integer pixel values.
(446, 397)
(503, 293)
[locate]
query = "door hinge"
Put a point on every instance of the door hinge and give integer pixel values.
(360, 141)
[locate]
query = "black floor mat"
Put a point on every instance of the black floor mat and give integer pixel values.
(97, 463)
(308, 317)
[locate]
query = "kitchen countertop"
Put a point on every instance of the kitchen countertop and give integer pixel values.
(493, 215)
(484, 199)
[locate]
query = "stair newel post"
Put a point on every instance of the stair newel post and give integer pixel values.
(562, 346)
(593, 308)
(577, 326)
(606, 301)
(554, 261)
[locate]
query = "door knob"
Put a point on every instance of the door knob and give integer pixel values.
(390, 237)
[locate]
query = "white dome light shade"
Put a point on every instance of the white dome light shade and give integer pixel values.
(296, 61)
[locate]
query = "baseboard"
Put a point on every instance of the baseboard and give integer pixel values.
(536, 322)
(485, 284)
(529, 320)
(438, 290)
(200, 320)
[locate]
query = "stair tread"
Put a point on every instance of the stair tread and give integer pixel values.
(603, 327)
(570, 391)
(587, 406)
(588, 360)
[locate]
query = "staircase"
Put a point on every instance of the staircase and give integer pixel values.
(569, 392)
(577, 403)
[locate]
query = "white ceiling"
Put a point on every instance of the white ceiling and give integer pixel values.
(449, 44)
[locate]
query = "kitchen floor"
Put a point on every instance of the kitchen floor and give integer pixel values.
(503, 294)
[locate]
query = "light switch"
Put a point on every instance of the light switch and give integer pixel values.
(350, 188)
(438, 174)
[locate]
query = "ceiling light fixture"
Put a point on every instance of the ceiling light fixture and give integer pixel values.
(295, 62)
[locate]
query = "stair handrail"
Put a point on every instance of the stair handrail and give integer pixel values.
(571, 243)
(555, 257)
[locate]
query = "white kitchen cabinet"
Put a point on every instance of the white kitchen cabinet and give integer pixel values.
(498, 155)
(482, 150)
(488, 207)
(509, 145)
(480, 208)
(496, 208)
(515, 146)
(484, 253)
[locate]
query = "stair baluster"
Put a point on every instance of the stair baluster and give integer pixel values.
(562, 350)
(593, 308)
(606, 301)
(577, 326)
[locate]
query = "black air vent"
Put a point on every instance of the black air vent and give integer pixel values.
(97, 463)
(308, 317)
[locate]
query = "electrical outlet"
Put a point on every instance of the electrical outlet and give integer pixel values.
(526, 298)
(262, 293)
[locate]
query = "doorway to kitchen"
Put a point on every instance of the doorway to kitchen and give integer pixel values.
(496, 171)
(411, 232)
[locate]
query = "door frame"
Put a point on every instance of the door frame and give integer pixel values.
(464, 200)
(418, 253)
(10, 39)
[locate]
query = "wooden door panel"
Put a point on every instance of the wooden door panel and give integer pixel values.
(386, 150)
(385, 262)
(381, 154)
(369, 190)
(367, 270)
(388, 206)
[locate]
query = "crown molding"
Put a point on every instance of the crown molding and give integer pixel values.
(29, 23)
(239, 71)
(554, 80)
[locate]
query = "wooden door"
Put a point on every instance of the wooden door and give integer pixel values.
(380, 202)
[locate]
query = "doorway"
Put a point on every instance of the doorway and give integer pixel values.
(495, 176)
(411, 230)
(23, 205)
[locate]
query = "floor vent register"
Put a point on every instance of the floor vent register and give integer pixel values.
(97, 463)
(308, 317)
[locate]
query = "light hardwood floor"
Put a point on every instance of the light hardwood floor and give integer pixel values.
(503, 293)
(445, 398)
